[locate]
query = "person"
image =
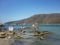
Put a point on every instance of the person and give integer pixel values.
(34, 26)
(11, 28)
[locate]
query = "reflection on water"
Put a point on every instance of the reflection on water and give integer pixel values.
(26, 42)
(51, 40)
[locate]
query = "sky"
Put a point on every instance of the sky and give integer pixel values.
(12, 10)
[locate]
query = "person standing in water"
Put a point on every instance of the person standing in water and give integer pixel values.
(11, 28)
(35, 26)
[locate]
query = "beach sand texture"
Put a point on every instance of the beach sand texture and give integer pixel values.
(4, 42)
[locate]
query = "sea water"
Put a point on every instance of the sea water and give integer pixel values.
(53, 39)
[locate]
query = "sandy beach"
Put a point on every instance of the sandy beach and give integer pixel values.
(4, 42)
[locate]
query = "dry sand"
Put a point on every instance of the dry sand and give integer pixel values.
(4, 42)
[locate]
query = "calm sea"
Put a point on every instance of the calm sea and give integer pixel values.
(52, 28)
(53, 39)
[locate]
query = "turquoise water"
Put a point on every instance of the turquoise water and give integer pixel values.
(52, 28)
(53, 39)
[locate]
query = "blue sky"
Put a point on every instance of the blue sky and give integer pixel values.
(11, 10)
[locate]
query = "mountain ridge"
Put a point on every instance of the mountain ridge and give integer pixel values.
(53, 18)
